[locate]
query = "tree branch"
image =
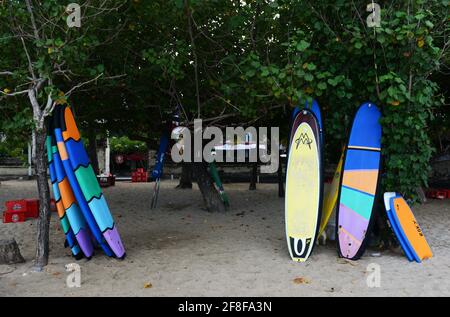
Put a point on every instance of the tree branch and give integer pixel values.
(82, 84)
(22, 92)
(33, 21)
(30, 64)
(194, 53)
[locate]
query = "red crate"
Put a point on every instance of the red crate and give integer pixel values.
(139, 176)
(447, 193)
(441, 194)
(14, 216)
(437, 193)
(32, 210)
(16, 205)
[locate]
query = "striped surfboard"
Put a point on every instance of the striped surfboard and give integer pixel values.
(88, 192)
(359, 182)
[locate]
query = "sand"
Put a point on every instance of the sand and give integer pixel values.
(179, 249)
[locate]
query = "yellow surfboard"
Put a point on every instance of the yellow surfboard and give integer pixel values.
(303, 187)
(331, 197)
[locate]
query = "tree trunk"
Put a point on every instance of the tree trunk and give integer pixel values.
(9, 252)
(42, 250)
(92, 151)
(210, 195)
(186, 176)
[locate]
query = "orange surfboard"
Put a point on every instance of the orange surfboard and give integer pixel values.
(410, 229)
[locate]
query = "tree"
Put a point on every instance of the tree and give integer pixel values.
(44, 57)
(230, 63)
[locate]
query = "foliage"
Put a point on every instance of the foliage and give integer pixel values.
(123, 145)
(251, 61)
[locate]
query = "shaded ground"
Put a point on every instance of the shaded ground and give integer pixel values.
(182, 250)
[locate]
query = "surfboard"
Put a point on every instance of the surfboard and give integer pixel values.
(84, 183)
(85, 175)
(67, 167)
(358, 189)
(409, 229)
(394, 225)
(216, 178)
(70, 205)
(159, 165)
(331, 196)
(63, 218)
(304, 186)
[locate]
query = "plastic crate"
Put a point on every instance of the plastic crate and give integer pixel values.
(14, 216)
(16, 205)
(445, 193)
(139, 176)
(32, 210)
(437, 193)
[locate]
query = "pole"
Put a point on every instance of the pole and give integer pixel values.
(107, 155)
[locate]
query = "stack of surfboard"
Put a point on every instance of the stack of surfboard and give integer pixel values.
(83, 211)
(354, 191)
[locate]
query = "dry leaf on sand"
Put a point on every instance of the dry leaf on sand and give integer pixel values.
(301, 280)
(345, 261)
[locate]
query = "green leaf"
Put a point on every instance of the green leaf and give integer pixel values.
(302, 45)
(250, 73)
(332, 82)
(311, 66)
(322, 86)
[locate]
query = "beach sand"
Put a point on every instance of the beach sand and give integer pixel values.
(179, 249)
